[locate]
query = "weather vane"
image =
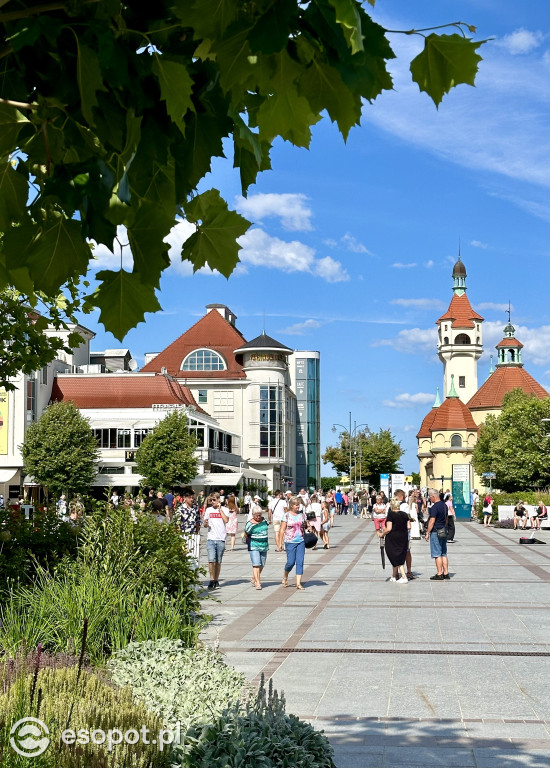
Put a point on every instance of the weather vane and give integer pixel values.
(509, 311)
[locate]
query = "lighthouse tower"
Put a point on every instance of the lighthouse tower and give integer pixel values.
(459, 341)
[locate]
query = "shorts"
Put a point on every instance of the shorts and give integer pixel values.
(379, 523)
(258, 557)
(438, 547)
(215, 550)
(325, 526)
(277, 525)
(489, 512)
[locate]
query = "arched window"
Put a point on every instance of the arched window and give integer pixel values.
(446, 340)
(456, 441)
(462, 338)
(203, 360)
(512, 356)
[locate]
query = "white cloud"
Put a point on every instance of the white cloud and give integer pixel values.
(434, 304)
(263, 250)
(406, 400)
(492, 305)
(478, 244)
(330, 243)
(299, 329)
(412, 341)
(330, 270)
(106, 259)
(521, 41)
(400, 265)
(291, 208)
(409, 427)
(353, 245)
(429, 264)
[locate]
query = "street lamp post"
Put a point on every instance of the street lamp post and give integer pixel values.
(352, 436)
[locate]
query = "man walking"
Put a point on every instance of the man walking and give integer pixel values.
(215, 519)
(437, 535)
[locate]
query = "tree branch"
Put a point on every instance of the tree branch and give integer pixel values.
(19, 104)
(34, 10)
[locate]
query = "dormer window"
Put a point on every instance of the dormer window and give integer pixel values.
(203, 360)
(456, 441)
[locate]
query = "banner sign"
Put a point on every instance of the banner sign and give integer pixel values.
(461, 491)
(4, 412)
(397, 482)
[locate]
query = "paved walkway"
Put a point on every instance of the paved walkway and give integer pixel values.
(452, 674)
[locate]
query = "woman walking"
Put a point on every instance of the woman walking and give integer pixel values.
(258, 543)
(395, 529)
(291, 530)
(325, 525)
(315, 507)
(233, 522)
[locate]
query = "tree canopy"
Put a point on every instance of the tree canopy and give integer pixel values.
(371, 454)
(166, 457)
(111, 113)
(60, 451)
(515, 445)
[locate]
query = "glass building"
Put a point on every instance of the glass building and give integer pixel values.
(305, 377)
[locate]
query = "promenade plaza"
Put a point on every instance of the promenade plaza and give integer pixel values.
(440, 674)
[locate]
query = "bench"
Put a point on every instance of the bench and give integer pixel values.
(506, 512)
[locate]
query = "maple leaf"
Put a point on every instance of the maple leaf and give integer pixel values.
(446, 61)
(215, 241)
(123, 300)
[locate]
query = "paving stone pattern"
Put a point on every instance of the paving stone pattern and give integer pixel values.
(446, 674)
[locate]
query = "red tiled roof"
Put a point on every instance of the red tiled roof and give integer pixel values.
(460, 312)
(427, 422)
(453, 414)
(503, 380)
(509, 342)
(212, 331)
(130, 391)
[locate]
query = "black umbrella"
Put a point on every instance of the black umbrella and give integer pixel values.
(382, 553)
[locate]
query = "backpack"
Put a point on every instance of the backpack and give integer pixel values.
(485, 504)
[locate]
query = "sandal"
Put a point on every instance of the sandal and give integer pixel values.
(258, 586)
(284, 582)
(299, 586)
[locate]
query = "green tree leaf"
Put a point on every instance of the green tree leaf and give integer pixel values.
(215, 242)
(146, 236)
(58, 251)
(176, 85)
(123, 300)
(14, 190)
(347, 15)
(324, 88)
(446, 61)
(90, 80)
(284, 112)
(11, 122)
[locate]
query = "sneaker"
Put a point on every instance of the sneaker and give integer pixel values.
(446, 575)
(216, 585)
(402, 581)
(437, 577)
(393, 578)
(211, 584)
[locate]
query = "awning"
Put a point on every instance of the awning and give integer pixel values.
(7, 474)
(253, 474)
(29, 481)
(217, 478)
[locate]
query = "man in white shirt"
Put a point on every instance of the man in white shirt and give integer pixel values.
(215, 519)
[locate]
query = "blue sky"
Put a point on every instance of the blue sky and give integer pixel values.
(353, 244)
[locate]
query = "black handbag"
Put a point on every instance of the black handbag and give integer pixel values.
(442, 533)
(310, 515)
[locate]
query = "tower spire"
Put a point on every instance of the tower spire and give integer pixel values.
(452, 390)
(437, 401)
